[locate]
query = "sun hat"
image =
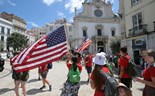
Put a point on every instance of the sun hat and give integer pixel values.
(99, 59)
(121, 85)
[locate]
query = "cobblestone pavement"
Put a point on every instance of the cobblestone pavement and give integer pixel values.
(56, 77)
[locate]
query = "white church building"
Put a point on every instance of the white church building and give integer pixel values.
(98, 21)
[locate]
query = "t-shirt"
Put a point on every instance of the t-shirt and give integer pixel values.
(100, 93)
(124, 63)
(148, 73)
(88, 59)
(78, 65)
(43, 68)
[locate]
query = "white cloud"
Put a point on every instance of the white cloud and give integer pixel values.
(71, 4)
(7, 1)
(49, 2)
(11, 3)
(61, 14)
(33, 24)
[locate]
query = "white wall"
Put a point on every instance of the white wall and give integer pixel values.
(6, 24)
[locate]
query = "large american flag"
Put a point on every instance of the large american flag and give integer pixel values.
(48, 49)
(85, 44)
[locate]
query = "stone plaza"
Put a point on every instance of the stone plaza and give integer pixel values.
(56, 76)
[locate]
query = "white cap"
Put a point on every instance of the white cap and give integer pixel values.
(99, 59)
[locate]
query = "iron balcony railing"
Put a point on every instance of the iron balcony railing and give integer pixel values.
(137, 31)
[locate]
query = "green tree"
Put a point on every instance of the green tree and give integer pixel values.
(1, 46)
(115, 45)
(17, 41)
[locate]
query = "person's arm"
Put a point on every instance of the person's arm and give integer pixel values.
(68, 58)
(122, 69)
(92, 84)
(149, 83)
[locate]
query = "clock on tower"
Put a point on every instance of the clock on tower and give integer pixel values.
(98, 13)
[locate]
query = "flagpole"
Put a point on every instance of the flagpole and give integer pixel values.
(65, 26)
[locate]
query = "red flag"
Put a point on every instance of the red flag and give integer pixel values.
(85, 44)
(49, 48)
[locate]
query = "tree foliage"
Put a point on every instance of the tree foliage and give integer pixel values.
(115, 45)
(1, 46)
(17, 41)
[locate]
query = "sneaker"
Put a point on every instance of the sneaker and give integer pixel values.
(88, 80)
(50, 87)
(43, 87)
(39, 78)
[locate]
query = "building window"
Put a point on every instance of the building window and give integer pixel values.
(137, 21)
(84, 33)
(70, 28)
(8, 31)
(99, 32)
(112, 32)
(133, 2)
(2, 38)
(2, 29)
(51, 29)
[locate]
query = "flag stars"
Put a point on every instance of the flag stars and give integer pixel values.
(56, 37)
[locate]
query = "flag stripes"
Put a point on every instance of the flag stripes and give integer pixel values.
(85, 44)
(46, 50)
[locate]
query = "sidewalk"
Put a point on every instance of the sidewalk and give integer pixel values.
(56, 76)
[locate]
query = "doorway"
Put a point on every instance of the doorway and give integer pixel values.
(136, 54)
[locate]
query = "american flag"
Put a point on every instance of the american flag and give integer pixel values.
(85, 44)
(48, 49)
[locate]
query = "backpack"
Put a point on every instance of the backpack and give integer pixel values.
(74, 76)
(110, 68)
(110, 87)
(1, 64)
(131, 68)
(49, 66)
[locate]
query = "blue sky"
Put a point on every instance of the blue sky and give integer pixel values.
(39, 12)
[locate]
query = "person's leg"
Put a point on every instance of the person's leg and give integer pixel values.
(44, 80)
(39, 74)
(17, 83)
(89, 69)
(43, 84)
(23, 85)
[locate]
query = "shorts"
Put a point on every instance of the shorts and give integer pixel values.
(89, 69)
(23, 76)
(44, 74)
(127, 82)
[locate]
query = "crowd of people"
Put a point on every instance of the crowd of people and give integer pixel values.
(94, 64)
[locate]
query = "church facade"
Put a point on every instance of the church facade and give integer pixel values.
(99, 23)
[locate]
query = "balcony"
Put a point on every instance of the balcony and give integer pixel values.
(103, 37)
(2, 33)
(137, 31)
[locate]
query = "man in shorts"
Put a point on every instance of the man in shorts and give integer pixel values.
(88, 65)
